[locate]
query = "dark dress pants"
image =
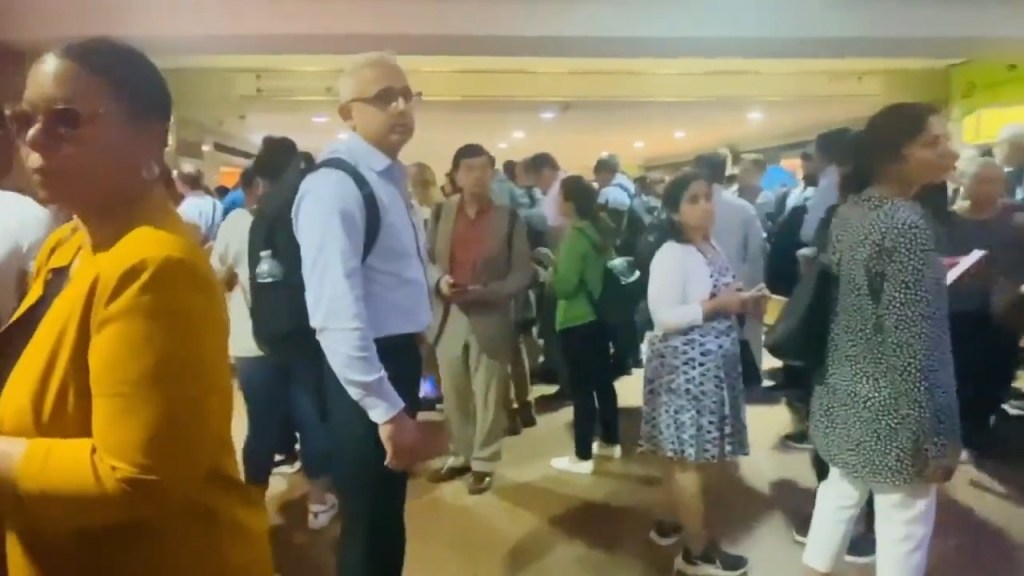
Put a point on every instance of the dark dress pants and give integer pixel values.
(372, 496)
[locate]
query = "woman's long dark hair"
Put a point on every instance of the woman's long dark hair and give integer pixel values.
(880, 144)
(578, 192)
(672, 198)
(277, 156)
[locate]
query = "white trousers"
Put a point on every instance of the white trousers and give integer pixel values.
(904, 519)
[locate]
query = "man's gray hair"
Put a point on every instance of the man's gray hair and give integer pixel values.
(346, 84)
(968, 167)
(1011, 134)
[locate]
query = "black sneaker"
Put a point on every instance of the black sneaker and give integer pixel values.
(861, 549)
(800, 440)
(665, 532)
(712, 562)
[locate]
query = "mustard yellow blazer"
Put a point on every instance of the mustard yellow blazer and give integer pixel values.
(124, 392)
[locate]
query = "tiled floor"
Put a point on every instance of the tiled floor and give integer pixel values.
(537, 522)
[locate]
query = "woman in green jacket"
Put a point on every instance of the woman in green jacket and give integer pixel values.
(576, 282)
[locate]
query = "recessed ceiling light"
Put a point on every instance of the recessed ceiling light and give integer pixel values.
(207, 147)
(755, 115)
(548, 115)
(343, 135)
(502, 145)
(603, 154)
(638, 144)
(519, 134)
(679, 134)
(320, 119)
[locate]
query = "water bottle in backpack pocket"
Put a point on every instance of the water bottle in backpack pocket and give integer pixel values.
(269, 269)
(280, 320)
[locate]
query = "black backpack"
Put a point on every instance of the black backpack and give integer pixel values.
(280, 320)
(655, 234)
(782, 268)
(621, 290)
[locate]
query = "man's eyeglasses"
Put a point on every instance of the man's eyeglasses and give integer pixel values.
(60, 121)
(391, 98)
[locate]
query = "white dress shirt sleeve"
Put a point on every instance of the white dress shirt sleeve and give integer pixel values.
(330, 220)
(680, 281)
(220, 254)
(826, 196)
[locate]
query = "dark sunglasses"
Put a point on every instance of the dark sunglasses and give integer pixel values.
(60, 121)
(388, 98)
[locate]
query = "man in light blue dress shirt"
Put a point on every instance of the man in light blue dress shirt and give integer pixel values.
(198, 208)
(368, 316)
(831, 149)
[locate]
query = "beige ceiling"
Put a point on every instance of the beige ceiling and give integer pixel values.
(583, 130)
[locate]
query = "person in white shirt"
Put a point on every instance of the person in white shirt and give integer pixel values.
(615, 189)
(749, 176)
(424, 190)
(831, 149)
(693, 410)
(24, 225)
(197, 207)
(275, 395)
(809, 183)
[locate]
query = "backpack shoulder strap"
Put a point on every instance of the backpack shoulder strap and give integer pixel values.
(373, 216)
(513, 216)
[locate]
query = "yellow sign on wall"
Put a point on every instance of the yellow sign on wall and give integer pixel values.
(977, 85)
(983, 126)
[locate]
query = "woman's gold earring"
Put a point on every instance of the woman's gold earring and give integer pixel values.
(151, 171)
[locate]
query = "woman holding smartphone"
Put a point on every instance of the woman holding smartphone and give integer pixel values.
(693, 414)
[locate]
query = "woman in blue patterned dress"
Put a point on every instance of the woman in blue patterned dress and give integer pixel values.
(693, 414)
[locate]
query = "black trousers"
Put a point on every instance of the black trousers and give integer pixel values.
(372, 541)
(588, 364)
(985, 358)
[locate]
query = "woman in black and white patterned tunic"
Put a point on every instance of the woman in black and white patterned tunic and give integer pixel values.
(885, 416)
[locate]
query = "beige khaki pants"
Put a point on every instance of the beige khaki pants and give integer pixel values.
(476, 392)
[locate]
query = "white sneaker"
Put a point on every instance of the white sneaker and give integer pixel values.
(602, 450)
(573, 465)
(319, 516)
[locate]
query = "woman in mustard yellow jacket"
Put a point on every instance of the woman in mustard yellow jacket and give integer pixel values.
(116, 456)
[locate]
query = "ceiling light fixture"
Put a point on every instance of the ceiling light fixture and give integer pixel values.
(519, 134)
(320, 119)
(755, 115)
(605, 154)
(502, 145)
(207, 147)
(679, 135)
(548, 115)
(342, 135)
(638, 144)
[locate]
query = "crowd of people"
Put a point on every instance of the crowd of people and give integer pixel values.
(351, 277)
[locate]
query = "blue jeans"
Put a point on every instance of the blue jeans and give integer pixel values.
(279, 394)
